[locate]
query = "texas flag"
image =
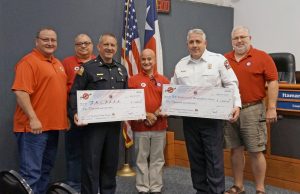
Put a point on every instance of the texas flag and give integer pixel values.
(152, 35)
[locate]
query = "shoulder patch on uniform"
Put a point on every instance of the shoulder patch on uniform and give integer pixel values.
(227, 65)
(80, 71)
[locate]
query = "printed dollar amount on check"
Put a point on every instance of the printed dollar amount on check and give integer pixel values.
(193, 101)
(95, 106)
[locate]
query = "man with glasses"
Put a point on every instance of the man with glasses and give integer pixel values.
(41, 91)
(149, 134)
(254, 69)
(204, 137)
(83, 53)
(100, 141)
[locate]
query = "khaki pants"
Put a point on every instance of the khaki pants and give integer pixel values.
(149, 147)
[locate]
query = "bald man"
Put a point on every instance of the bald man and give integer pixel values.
(150, 134)
(83, 47)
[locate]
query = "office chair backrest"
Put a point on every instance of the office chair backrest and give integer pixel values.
(286, 66)
(61, 188)
(12, 183)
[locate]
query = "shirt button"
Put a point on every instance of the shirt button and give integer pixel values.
(112, 77)
(112, 87)
(109, 69)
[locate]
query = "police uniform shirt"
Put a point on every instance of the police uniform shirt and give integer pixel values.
(211, 70)
(96, 75)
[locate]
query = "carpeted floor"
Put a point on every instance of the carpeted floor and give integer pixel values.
(177, 180)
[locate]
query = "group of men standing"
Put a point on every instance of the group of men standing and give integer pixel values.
(46, 96)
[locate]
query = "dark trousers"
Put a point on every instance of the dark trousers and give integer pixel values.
(204, 141)
(37, 156)
(100, 153)
(73, 157)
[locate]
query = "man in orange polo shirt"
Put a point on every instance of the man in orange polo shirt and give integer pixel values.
(40, 86)
(83, 54)
(254, 69)
(150, 134)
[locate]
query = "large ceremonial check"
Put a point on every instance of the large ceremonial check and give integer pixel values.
(96, 106)
(193, 101)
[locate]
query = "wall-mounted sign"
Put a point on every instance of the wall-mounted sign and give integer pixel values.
(163, 6)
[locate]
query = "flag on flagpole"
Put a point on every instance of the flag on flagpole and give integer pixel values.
(152, 35)
(127, 133)
(130, 40)
(130, 55)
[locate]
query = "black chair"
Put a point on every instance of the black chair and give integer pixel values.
(12, 183)
(297, 77)
(61, 188)
(286, 66)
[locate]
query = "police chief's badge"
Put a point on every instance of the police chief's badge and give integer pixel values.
(227, 65)
(120, 71)
(80, 71)
(209, 66)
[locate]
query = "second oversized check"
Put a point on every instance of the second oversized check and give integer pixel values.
(96, 106)
(193, 101)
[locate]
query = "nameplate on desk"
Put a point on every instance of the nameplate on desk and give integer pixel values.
(95, 106)
(288, 94)
(289, 100)
(194, 101)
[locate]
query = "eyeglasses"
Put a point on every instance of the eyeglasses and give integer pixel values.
(240, 37)
(83, 43)
(47, 39)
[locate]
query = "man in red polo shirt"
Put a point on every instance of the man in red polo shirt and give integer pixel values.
(83, 53)
(254, 69)
(150, 134)
(40, 86)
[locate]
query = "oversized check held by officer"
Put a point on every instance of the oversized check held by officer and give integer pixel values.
(96, 106)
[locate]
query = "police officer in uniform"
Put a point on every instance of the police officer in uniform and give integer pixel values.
(204, 137)
(100, 144)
